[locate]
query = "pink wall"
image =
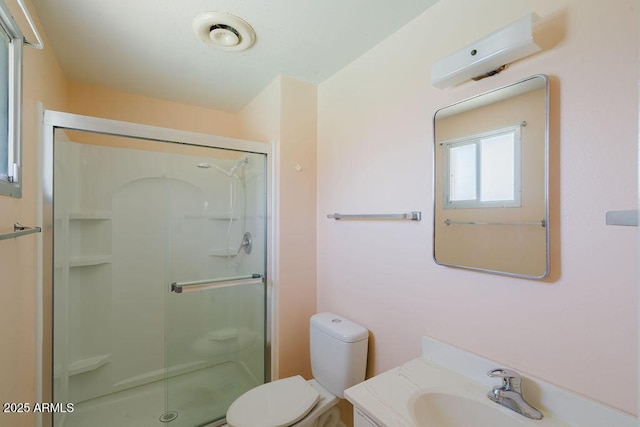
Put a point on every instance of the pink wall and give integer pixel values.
(577, 329)
(42, 81)
(98, 101)
(285, 114)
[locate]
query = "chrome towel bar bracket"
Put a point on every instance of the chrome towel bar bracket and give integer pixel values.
(20, 230)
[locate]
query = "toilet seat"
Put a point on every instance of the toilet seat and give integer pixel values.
(279, 403)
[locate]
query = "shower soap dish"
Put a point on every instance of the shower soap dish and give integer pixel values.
(223, 334)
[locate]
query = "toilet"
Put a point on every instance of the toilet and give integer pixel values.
(338, 349)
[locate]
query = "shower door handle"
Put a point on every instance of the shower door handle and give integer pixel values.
(223, 282)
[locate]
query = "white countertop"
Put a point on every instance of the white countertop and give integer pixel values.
(388, 398)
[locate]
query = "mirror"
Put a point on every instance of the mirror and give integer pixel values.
(491, 181)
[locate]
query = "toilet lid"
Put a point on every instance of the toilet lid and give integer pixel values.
(276, 404)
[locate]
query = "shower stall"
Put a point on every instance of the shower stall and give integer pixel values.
(160, 311)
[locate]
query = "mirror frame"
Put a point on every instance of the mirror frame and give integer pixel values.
(476, 99)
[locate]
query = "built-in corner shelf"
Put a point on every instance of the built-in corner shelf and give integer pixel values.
(91, 215)
(90, 235)
(221, 253)
(213, 216)
(88, 261)
(223, 217)
(89, 364)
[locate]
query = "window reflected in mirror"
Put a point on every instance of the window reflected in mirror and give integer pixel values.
(483, 170)
(490, 181)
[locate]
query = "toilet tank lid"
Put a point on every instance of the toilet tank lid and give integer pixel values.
(339, 327)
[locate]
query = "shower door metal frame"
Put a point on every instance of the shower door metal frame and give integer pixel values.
(52, 120)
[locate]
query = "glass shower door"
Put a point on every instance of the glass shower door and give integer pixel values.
(215, 323)
(132, 217)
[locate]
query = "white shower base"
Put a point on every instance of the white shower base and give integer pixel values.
(195, 396)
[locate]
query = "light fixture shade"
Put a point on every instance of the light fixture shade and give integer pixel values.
(506, 45)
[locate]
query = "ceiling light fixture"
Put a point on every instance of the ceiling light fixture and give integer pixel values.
(224, 31)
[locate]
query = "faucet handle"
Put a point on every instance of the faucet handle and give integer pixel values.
(503, 373)
(511, 380)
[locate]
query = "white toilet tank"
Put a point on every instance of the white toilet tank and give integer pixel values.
(338, 352)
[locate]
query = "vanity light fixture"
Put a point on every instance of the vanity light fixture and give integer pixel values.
(488, 56)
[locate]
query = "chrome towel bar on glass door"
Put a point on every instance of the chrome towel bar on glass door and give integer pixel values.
(222, 282)
(413, 216)
(20, 230)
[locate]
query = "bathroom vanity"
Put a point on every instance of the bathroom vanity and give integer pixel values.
(361, 420)
(448, 387)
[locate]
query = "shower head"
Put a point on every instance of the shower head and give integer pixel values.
(229, 173)
(240, 163)
(243, 161)
(207, 165)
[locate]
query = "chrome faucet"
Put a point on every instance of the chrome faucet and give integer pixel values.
(509, 394)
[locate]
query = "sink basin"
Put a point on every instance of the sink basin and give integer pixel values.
(449, 410)
(447, 387)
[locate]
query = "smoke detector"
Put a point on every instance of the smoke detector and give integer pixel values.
(224, 31)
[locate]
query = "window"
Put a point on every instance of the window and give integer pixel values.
(483, 170)
(11, 43)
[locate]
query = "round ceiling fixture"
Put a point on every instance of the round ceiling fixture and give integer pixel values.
(224, 31)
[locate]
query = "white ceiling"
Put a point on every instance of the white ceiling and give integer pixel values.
(148, 46)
